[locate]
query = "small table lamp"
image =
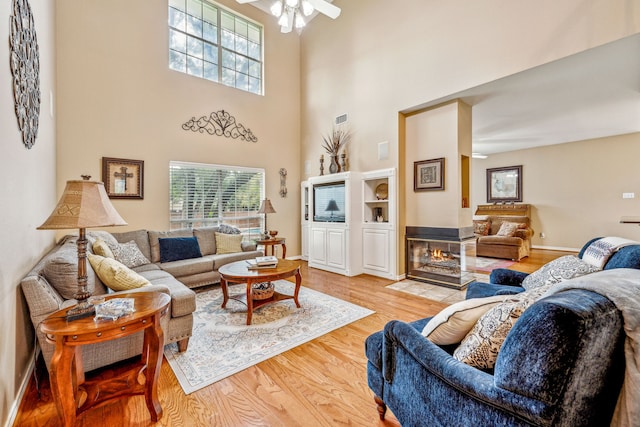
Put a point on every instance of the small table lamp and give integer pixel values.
(83, 204)
(266, 208)
(332, 207)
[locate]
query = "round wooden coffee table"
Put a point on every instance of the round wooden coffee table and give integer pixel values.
(238, 272)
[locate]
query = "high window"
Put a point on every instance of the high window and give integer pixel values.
(206, 195)
(211, 42)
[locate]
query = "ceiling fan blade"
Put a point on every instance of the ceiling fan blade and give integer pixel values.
(245, 1)
(326, 8)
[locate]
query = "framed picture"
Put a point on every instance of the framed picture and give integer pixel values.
(428, 175)
(123, 178)
(504, 184)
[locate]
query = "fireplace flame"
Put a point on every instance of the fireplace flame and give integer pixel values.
(437, 255)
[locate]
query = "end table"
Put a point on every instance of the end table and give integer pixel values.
(66, 371)
(272, 243)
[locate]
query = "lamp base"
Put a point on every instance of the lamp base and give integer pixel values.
(80, 311)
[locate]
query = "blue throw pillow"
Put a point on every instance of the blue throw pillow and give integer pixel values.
(177, 248)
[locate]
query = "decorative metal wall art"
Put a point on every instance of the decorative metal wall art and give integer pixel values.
(25, 68)
(283, 182)
(220, 123)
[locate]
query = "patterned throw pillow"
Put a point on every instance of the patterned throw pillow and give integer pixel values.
(101, 248)
(507, 229)
(481, 228)
(560, 269)
(481, 346)
(228, 243)
(129, 254)
(115, 275)
(227, 229)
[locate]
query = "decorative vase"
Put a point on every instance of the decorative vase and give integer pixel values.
(334, 167)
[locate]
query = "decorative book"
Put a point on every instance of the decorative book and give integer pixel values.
(114, 308)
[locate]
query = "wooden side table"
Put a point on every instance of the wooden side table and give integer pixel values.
(66, 371)
(237, 272)
(271, 243)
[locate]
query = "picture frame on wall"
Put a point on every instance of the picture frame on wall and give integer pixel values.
(428, 175)
(123, 178)
(504, 185)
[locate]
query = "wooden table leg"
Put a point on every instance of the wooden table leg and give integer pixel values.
(249, 302)
(297, 290)
(152, 352)
(284, 251)
(225, 291)
(63, 382)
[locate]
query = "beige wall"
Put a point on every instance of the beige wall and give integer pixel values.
(27, 195)
(378, 59)
(575, 189)
(118, 98)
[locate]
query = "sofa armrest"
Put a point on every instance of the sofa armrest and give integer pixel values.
(504, 276)
(410, 358)
(248, 246)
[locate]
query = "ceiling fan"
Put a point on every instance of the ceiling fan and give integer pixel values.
(292, 13)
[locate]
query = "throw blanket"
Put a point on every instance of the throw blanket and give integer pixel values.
(599, 252)
(622, 287)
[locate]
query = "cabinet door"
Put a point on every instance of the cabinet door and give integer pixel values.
(375, 249)
(336, 249)
(305, 242)
(318, 246)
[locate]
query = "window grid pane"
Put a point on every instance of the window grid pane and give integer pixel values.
(207, 34)
(209, 195)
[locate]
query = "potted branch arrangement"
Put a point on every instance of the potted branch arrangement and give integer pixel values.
(332, 144)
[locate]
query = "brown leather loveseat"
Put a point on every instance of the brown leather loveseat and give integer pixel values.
(503, 231)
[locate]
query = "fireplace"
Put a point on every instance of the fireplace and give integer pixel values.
(441, 256)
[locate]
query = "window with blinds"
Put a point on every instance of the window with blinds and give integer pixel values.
(206, 195)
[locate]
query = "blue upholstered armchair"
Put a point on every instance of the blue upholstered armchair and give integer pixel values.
(562, 364)
(504, 281)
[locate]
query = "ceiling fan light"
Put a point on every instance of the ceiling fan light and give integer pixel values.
(292, 3)
(300, 21)
(284, 20)
(307, 8)
(276, 9)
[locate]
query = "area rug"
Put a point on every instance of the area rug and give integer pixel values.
(222, 344)
(489, 264)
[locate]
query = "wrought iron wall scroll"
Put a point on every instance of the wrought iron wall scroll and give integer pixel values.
(25, 68)
(220, 123)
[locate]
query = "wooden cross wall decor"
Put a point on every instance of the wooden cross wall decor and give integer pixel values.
(123, 175)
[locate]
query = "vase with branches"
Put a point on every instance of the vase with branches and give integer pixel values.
(332, 144)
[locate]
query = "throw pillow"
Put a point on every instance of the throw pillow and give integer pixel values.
(560, 269)
(228, 243)
(105, 236)
(115, 275)
(454, 322)
(227, 229)
(482, 344)
(101, 248)
(481, 228)
(507, 229)
(61, 270)
(129, 254)
(178, 248)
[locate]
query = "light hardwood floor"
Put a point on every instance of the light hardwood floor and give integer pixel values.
(320, 383)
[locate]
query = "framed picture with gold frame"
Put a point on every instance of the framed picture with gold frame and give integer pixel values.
(123, 178)
(428, 175)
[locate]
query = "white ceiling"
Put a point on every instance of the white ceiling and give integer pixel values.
(592, 94)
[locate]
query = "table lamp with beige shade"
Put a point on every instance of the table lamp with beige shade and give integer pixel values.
(83, 204)
(266, 208)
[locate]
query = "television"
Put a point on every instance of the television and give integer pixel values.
(328, 202)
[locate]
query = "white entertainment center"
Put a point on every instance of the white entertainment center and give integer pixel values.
(349, 222)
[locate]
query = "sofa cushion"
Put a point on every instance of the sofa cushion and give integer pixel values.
(178, 248)
(115, 274)
(141, 237)
(187, 267)
(500, 240)
(453, 323)
(154, 243)
(481, 228)
(206, 239)
(101, 248)
(61, 270)
(129, 254)
(507, 229)
(560, 269)
(228, 243)
(183, 299)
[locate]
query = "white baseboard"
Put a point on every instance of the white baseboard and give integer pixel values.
(13, 412)
(556, 248)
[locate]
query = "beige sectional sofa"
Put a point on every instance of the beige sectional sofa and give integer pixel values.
(51, 283)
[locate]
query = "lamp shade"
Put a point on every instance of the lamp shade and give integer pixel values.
(332, 206)
(83, 204)
(266, 207)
